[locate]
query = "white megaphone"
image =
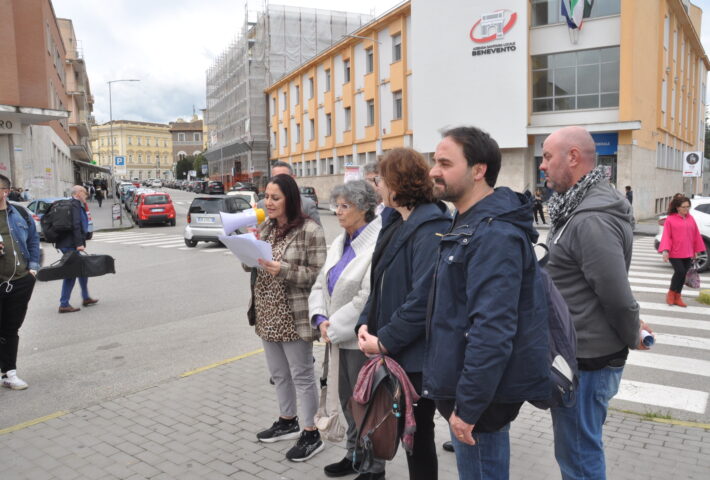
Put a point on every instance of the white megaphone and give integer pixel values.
(248, 218)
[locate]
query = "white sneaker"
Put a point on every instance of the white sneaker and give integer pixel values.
(13, 381)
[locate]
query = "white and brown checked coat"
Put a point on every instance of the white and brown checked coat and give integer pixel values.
(300, 264)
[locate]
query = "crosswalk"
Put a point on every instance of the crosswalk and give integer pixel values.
(678, 359)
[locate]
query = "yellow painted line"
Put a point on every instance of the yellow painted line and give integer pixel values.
(32, 422)
(223, 362)
(668, 421)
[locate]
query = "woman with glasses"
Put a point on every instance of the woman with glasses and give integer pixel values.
(402, 265)
(680, 243)
(338, 296)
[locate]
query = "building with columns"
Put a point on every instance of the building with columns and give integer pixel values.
(634, 75)
(147, 148)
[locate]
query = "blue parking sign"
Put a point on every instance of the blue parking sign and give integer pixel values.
(119, 161)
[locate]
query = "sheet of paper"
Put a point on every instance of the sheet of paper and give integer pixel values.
(247, 248)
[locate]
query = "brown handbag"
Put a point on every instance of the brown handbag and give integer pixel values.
(379, 422)
(251, 313)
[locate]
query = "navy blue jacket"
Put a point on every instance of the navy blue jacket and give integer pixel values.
(396, 310)
(487, 329)
(80, 222)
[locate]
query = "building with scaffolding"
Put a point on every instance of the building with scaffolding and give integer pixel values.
(276, 41)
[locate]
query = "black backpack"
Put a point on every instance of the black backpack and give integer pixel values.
(564, 375)
(57, 220)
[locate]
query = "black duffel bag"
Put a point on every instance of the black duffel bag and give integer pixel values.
(75, 264)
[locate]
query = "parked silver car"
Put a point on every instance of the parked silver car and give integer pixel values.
(204, 223)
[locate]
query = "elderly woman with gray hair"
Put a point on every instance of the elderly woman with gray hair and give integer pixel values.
(338, 297)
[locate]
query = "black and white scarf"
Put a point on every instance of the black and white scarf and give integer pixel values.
(562, 206)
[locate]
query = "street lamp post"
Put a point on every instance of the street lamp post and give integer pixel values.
(110, 114)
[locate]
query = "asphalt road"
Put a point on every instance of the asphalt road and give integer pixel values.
(170, 309)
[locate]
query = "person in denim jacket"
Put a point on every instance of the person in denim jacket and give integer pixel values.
(19, 262)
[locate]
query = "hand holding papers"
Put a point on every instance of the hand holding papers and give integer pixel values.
(247, 248)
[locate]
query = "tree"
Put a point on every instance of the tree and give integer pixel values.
(184, 165)
(199, 160)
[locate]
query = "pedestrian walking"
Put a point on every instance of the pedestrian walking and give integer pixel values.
(537, 207)
(394, 318)
(590, 246)
(75, 239)
(681, 242)
(280, 306)
(338, 297)
(629, 195)
(487, 341)
(19, 262)
(99, 196)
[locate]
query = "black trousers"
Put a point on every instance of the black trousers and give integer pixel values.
(537, 208)
(423, 463)
(680, 268)
(13, 307)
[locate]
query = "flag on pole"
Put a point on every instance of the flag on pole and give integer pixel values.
(575, 11)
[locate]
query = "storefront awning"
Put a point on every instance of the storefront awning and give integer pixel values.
(90, 167)
(31, 115)
(590, 127)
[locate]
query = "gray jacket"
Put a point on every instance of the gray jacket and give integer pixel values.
(589, 263)
(309, 207)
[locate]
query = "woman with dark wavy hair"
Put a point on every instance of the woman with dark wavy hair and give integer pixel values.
(280, 301)
(402, 265)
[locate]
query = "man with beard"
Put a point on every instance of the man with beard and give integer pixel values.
(487, 334)
(590, 245)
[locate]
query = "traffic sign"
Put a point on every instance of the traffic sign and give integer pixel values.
(119, 164)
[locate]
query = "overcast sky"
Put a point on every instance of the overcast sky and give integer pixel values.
(169, 45)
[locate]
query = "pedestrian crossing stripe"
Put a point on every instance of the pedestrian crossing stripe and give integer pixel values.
(655, 320)
(662, 396)
(685, 341)
(669, 308)
(672, 363)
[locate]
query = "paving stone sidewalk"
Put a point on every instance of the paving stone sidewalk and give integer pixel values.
(203, 426)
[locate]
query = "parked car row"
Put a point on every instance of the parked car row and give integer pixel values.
(146, 206)
(197, 186)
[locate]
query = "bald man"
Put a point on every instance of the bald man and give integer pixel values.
(590, 243)
(75, 239)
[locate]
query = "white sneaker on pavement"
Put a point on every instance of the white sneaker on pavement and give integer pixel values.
(11, 380)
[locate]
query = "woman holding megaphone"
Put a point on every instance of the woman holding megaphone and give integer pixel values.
(280, 301)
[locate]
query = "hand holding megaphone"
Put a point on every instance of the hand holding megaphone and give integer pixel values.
(248, 218)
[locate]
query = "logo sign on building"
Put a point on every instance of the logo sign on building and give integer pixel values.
(119, 165)
(482, 46)
(490, 30)
(692, 164)
(10, 125)
(352, 172)
(204, 169)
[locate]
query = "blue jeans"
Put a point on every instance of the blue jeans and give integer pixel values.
(579, 449)
(488, 459)
(68, 286)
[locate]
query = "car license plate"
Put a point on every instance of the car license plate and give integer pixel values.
(157, 209)
(205, 220)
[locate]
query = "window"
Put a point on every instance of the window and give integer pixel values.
(347, 118)
(298, 133)
(327, 80)
(181, 137)
(396, 47)
(312, 125)
(546, 12)
(369, 60)
(370, 113)
(285, 142)
(195, 137)
(140, 157)
(285, 99)
(397, 106)
(139, 140)
(346, 71)
(311, 87)
(297, 93)
(328, 125)
(273, 104)
(576, 80)
(130, 140)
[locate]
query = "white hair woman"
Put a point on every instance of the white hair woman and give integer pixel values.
(339, 295)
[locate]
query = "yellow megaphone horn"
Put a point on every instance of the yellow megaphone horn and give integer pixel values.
(248, 218)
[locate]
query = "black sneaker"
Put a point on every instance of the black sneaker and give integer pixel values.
(339, 469)
(307, 445)
(282, 429)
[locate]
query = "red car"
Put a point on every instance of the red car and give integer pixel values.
(155, 208)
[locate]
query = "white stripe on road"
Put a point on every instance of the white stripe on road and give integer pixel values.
(665, 276)
(662, 396)
(173, 245)
(651, 281)
(212, 250)
(161, 238)
(669, 363)
(636, 288)
(659, 268)
(683, 341)
(668, 308)
(654, 320)
(179, 241)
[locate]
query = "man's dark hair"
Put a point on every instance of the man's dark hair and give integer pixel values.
(292, 197)
(628, 188)
(279, 163)
(478, 147)
(5, 182)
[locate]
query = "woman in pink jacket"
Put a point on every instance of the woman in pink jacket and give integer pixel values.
(680, 243)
